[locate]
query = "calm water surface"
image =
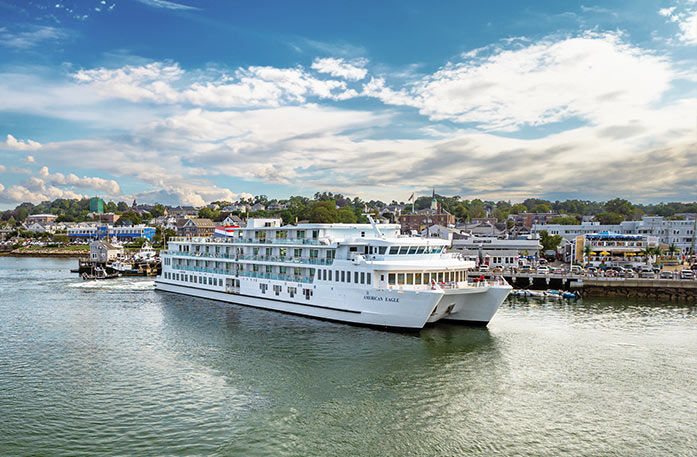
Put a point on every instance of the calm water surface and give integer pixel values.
(114, 368)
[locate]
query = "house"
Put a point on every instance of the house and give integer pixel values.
(183, 211)
(528, 220)
(275, 206)
(481, 229)
(497, 252)
(238, 207)
(197, 227)
(258, 207)
(41, 218)
(101, 251)
(444, 233)
(230, 219)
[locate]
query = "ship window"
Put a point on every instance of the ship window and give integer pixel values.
(315, 234)
(382, 249)
(410, 278)
(362, 234)
(348, 276)
(297, 252)
(440, 276)
(269, 268)
(282, 252)
(362, 277)
(412, 250)
(355, 277)
(343, 276)
(420, 250)
(353, 249)
(330, 275)
(301, 234)
(282, 270)
(400, 278)
(382, 277)
(394, 250)
(392, 278)
(418, 278)
(368, 277)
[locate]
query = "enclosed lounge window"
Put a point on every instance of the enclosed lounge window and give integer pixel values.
(412, 250)
(355, 277)
(420, 250)
(392, 278)
(368, 276)
(400, 278)
(394, 249)
(362, 277)
(343, 276)
(410, 278)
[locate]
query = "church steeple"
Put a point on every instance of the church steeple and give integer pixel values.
(434, 202)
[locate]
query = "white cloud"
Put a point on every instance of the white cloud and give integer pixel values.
(2, 168)
(30, 159)
(29, 38)
(21, 145)
(353, 71)
(109, 186)
(686, 19)
(166, 5)
(588, 77)
(34, 190)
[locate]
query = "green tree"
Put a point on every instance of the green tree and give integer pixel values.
(564, 220)
(608, 218)
(620, 206)
(208, 213)
(549, 242)
(21, 214)
(541, 208)
(157, 210)
(131, 216)
(122, 207)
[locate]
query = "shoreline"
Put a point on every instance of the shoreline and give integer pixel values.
(48, 253)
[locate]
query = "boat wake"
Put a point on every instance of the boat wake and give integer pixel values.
(115, 284)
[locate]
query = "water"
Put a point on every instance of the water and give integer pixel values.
(114, 368)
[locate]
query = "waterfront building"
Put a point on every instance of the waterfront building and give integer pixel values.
(41, 218)
(445, 233)
(196, 227)
(613, 249)
(358, 273)
(101, 231)
(678, 232)
(497, 252)
(96, 205)
(102, 252)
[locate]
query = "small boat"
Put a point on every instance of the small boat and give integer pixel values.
(99, 273)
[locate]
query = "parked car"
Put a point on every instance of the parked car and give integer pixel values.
(647, 273)
(542, 270)
(629, 273)
(667, 275)
(687, 274)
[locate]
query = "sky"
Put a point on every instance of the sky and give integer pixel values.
(191, 101)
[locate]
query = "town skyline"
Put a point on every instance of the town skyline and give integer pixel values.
(189, 102)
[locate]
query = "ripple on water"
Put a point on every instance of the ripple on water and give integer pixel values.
(115, 368)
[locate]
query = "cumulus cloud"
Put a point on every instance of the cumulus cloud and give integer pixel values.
(21, 145)
(541, 83)
(686, 19)
(354, 71)
(109, 186)
(34, 190)
(245, 87)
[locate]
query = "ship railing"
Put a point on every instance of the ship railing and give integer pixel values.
(233, 240)
(248, 274)
(262, 258)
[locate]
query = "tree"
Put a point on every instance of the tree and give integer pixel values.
(131, 216)
(549, 242)
(122, 206)
(542, 208)
(620, 206)
(21, 214)
(564, 220)
(208, 213)
(608, 218)
(587, 250)
(157, 210)
(672, 249)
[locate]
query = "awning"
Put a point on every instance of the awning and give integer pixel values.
(604, 253)
(630, 253)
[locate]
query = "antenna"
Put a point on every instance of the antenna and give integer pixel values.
(374, 225)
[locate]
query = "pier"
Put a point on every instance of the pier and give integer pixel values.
(588, 286)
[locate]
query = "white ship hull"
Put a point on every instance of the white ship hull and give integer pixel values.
(380, 308)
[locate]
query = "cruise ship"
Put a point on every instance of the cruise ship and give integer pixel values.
(365, 274)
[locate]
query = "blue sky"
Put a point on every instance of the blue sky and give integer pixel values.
(199, 100)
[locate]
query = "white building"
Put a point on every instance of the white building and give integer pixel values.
(496, 252)
(678, 232)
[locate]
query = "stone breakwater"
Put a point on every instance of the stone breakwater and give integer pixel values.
(659, 289)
